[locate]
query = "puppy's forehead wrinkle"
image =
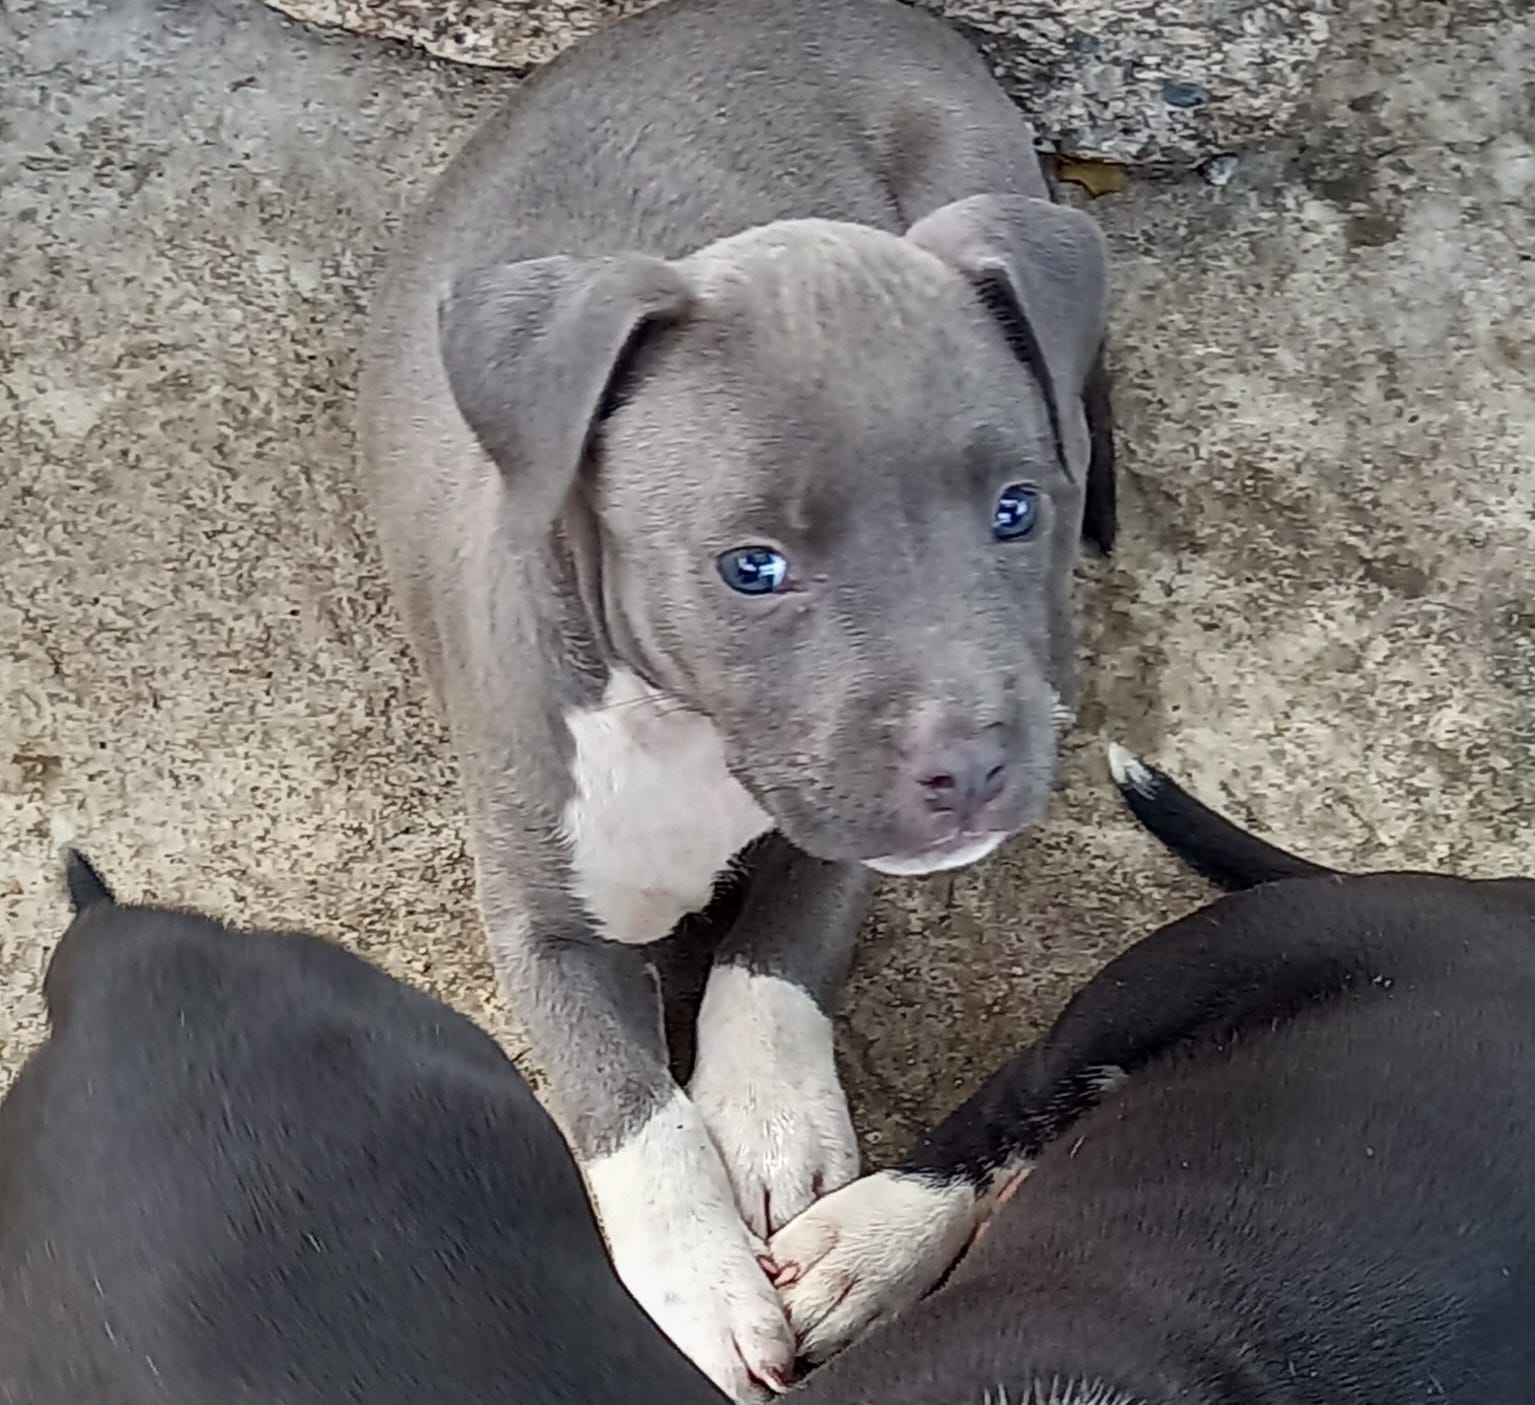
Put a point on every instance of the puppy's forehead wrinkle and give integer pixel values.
(832, 365)
(818, 286)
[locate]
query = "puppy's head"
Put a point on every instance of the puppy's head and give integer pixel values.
(823, 484)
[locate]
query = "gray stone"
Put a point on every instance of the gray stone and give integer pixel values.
(1151, 82)
(1157, 84)
(516, 34)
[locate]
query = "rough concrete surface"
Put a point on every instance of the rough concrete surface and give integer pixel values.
(1322, 614)
(1146, 81)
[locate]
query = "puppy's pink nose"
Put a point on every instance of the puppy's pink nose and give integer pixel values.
(962, 777)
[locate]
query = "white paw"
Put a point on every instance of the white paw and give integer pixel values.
(766, 1087)
(682, 1251)
(867, 1252)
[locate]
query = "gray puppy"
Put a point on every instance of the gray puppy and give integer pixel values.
(733, 410)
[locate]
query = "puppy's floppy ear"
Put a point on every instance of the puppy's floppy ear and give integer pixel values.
(532, 349)
(1042, 270)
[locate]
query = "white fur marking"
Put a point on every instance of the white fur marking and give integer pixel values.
(656, 816)
(682, 1251)
(766, 1086)
(937, 860)
(1062, 716)
(1129, 772)
(867, 1252)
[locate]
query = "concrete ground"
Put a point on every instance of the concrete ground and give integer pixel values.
(1322, 614)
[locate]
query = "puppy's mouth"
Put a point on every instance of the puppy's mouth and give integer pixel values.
(959, 852)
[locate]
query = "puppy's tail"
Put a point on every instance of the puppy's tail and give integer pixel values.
(1207, 842)
(86, 886)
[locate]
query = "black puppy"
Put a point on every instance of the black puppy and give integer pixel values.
(1280, 1150)
(250, 1169)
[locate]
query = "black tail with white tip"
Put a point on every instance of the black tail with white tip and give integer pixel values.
(1206, 841)
(86, 886)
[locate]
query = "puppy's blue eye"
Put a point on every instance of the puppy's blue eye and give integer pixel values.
(1016, 513)
(754, 570)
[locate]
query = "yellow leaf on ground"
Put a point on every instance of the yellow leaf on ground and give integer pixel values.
(1095, 177)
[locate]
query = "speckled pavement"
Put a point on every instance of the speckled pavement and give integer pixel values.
(1162, 82)
(1322, 613)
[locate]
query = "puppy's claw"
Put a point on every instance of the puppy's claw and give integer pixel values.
(785, 1275)
(764, 1361)
(771, 1378)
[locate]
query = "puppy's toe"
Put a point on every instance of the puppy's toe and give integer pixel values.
(682, 1251)
(765, 1348)
(723, 1314)
(738, 1336)
(779, 1165)
(766, 1086)
(866, 1252)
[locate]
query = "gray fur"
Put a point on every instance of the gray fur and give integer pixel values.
(665, 304)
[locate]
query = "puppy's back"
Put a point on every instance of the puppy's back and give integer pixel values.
(252, 1167)
(1316, 1191)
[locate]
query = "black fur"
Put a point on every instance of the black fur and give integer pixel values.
(1205, 840)
(1313, 1187)
(250, 1169)
(1100, 516)
(86, 886)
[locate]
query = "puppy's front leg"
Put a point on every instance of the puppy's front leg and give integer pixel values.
(765, 1080)
(592, 1009)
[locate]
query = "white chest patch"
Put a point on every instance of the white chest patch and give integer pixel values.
(655, 816)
